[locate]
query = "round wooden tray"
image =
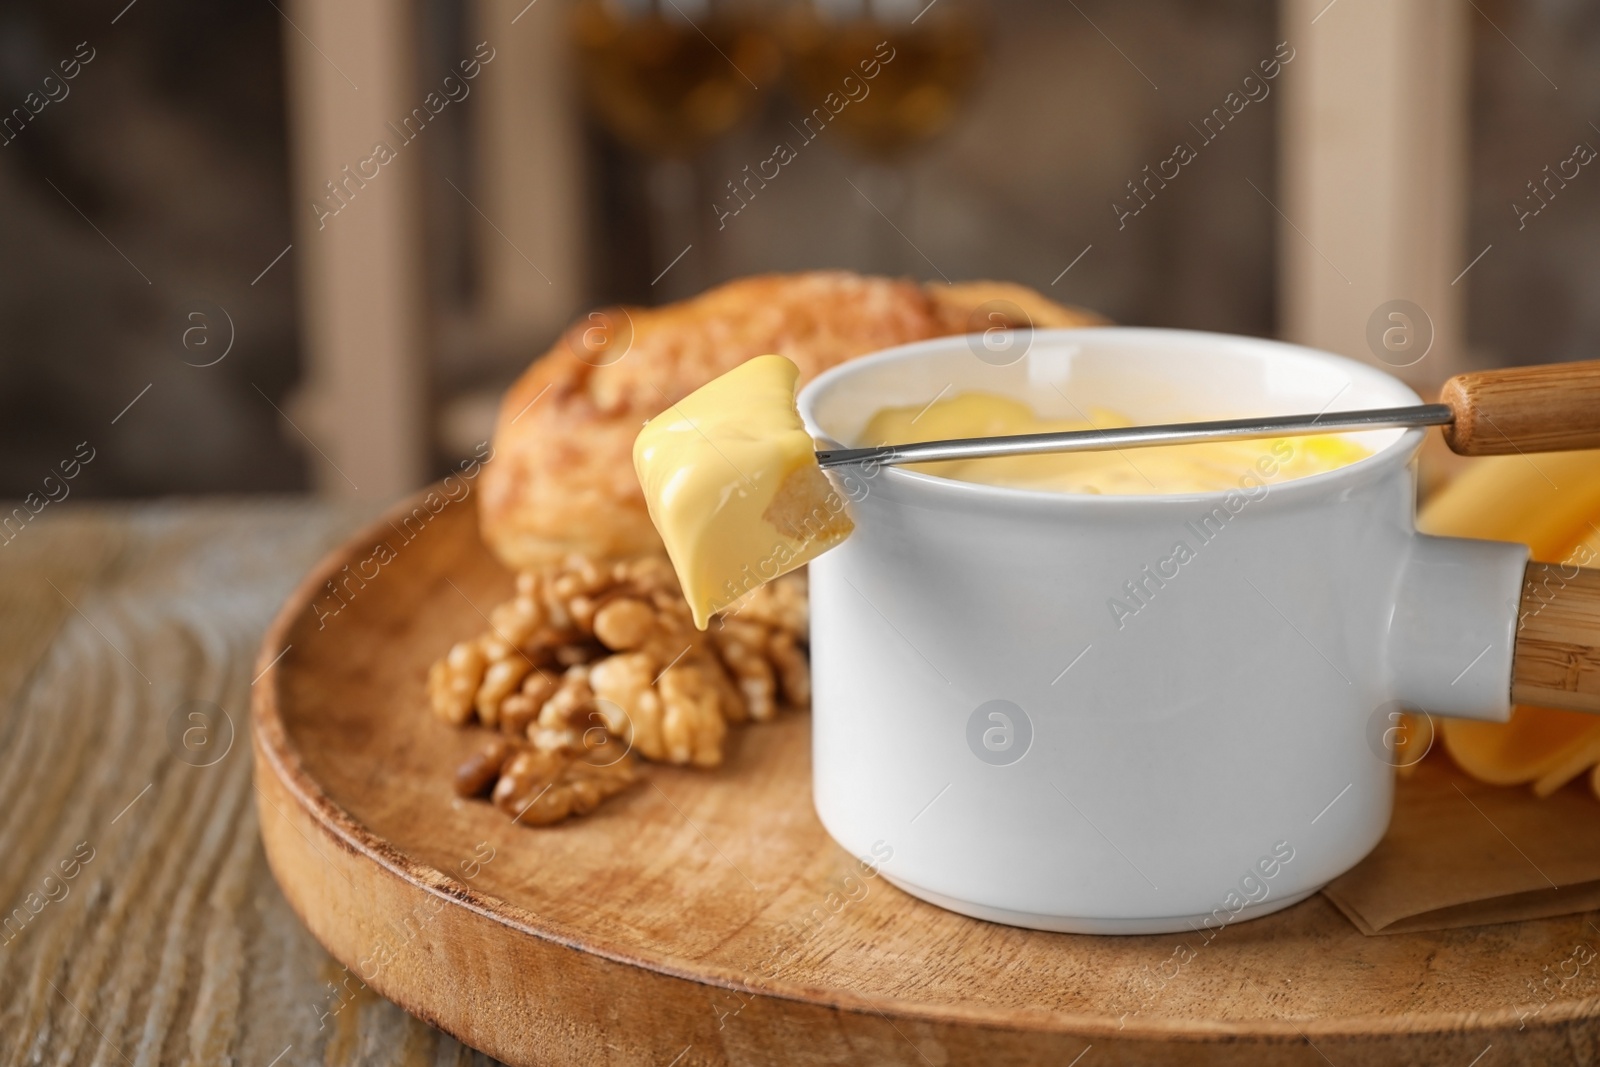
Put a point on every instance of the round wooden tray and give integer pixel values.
(707, 918)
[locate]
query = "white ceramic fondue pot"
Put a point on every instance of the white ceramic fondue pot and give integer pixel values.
(1134, 714)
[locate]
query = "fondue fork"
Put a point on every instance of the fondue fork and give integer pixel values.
(1522, 409)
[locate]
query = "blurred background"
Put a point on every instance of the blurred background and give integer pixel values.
(291, 245)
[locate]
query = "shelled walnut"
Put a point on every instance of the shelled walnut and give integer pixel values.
(589, 656)
(539, 787)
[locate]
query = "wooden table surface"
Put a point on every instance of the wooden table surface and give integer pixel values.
(142, 925)
(139, 923)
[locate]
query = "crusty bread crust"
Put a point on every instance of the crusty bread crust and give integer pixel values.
(561, 479)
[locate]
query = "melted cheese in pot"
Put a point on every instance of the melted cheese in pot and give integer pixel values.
(1211, 467)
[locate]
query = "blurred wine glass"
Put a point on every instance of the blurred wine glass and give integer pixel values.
(667, 78)
(938, 51)
(936, 55)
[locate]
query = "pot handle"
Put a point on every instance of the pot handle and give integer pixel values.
(1553, 408)
(1452, 633)
(1556, 662)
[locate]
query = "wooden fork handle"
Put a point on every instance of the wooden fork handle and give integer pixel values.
(1553, 408)
(1556, 663)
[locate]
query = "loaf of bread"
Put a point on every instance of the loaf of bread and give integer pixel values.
(561, 479)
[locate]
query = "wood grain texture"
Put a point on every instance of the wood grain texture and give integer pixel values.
(1554, 408)
(171, 945)
(1556, 663)
(706, 918)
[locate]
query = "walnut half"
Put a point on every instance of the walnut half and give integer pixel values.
(540, 788)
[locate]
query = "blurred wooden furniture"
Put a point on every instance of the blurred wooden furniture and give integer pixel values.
(359, 245)
(529, 236)
(1373, 173)
(369, 319)
(1371, 201)
(169, 942)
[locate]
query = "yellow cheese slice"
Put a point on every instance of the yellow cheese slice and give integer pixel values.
(1576, 757)
(1528, 747)
(731, 479)
(1551, 502)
